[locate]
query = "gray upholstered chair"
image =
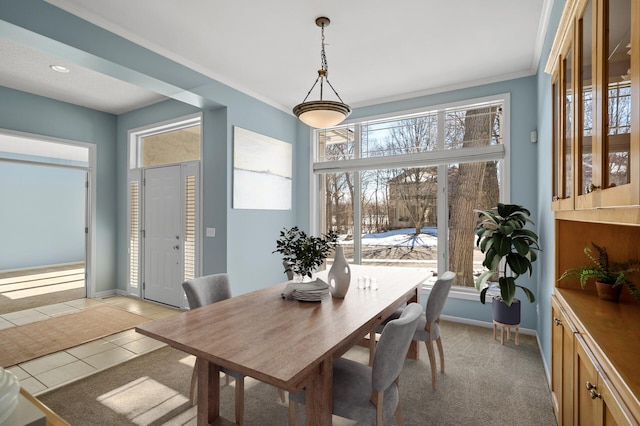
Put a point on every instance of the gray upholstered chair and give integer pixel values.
(204, 291)
(428, 329)
(370, 394)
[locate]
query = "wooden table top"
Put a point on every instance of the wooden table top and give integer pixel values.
(283, 342)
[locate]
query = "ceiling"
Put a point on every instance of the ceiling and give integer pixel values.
(271, 50)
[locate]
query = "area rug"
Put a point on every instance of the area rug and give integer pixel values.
(30, 341)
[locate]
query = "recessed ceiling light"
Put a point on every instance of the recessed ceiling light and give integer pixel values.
(60, 68)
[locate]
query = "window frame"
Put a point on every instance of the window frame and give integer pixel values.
(440, 158)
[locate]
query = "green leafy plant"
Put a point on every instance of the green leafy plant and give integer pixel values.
(304, 253)
(502, 236)
(604, 271)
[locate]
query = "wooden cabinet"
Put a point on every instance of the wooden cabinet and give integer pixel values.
(562, 339)
(596, 105)
(595, 380)
(595, 67)
(596, 401)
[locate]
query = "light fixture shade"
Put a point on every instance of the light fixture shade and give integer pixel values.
(322, 114)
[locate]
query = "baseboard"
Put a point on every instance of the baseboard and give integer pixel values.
(527, 331)
(55, 265)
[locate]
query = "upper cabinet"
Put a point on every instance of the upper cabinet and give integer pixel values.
(596, 105)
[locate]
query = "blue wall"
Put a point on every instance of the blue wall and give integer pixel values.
(42, 215)
(546, 224)
(28, 113)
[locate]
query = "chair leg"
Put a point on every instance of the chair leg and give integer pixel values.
(432, 361)
(194, 380)
(372, 347)
(379, 398)
(398, 414)
(239, 400)
(439, 343)
(292, 412)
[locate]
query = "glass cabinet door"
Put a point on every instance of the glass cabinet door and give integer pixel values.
(567, 125)
(585, 102)
(617, 96)
(556, 141)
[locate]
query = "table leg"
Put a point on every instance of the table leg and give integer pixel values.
(319, 404)
(208, 392)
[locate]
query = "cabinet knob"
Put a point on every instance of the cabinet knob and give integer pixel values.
(590, 188)
(557, 322)
(593, 390)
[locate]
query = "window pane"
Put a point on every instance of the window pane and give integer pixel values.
(471, 127)
(471, 186)
(398, 137)
(399, 217)
(176, 146)
(336, 144)
(337, 211)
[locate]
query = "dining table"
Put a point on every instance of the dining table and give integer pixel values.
(289, 344)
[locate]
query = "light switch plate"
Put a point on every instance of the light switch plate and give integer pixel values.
(211, 232)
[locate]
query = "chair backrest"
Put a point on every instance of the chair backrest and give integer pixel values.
(208, 289)
(393, 346)
(438, 295)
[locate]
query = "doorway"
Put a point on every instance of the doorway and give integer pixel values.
(47, 210)
(164, 210)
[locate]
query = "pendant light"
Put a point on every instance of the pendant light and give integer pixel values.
(322, 113)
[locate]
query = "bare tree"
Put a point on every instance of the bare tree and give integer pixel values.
(339, 190)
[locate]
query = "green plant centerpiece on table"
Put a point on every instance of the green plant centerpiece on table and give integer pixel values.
(302, 253)
(503, 239)
(603, 271)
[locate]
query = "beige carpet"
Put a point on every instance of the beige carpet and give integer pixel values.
(26, 342)
(485, 383)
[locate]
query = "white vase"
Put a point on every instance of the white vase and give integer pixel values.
(339, 274)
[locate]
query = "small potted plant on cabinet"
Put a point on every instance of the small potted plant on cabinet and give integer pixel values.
(610, 277)
(301, 253)
(507, 246)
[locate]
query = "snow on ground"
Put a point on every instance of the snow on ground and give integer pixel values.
(400, 238)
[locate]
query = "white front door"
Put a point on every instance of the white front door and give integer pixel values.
(163, 240)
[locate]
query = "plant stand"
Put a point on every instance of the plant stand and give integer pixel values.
(502, 326)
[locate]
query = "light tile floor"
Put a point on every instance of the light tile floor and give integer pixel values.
(55, 370)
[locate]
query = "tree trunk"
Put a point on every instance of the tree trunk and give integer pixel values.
(467, 196)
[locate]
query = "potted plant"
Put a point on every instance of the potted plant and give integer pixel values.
(302, 253)
(609, 276)
(507, 246)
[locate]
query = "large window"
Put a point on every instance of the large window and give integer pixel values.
(402, 191)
